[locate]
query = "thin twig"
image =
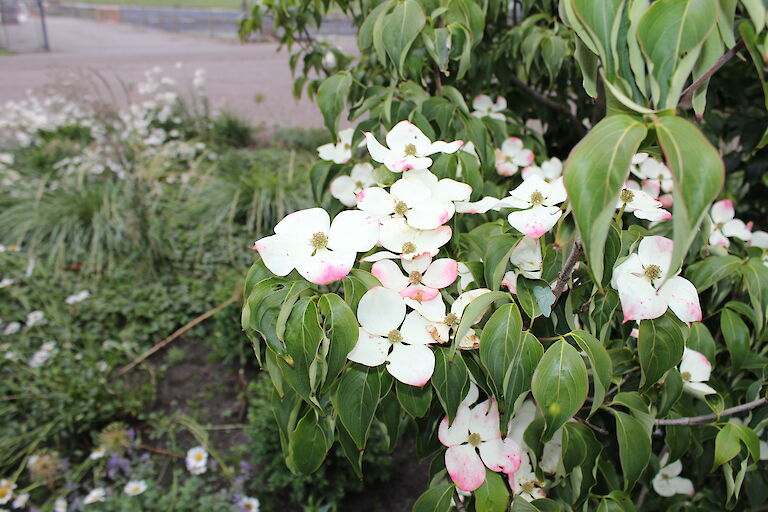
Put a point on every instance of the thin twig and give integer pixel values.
(565, 274)
(179, 332)
(687, 95)
(580, 130)
(727, 412)
(160, 451)
(599, 430)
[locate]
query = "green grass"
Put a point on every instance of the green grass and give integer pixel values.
(221, 4)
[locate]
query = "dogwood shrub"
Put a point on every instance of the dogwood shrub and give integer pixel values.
(584, 334)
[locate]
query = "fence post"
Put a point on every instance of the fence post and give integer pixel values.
(41, 9)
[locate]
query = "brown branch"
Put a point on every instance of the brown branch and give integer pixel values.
(727, 412)
(565, 274)
(160, 451)
(599, 430)
(687, 96)
(179, 332)
(554, 105)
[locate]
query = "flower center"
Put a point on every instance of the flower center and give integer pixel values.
(347, 147)
(359, 184)
(652, 272)
(401, 207)
(198, 457)
(414, 277)
(508, 159)
(319, 240)
(626, 196)
(537, 197)
(3, 492)
(394, 336)
(474, 439)
(528, 487)
(410, 150)
(409, 247)
(719, 226)
(686, 376)
(451, 319)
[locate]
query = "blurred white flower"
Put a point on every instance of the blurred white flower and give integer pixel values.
(249, 504)
(344, 188)
(78, 297)
(98, 453)
(338, 152)
(6, 491)
(96, 495)
(102, 366)
(197, 460)
(21, 500)
(60, 505)
(6, 282)
(12, 328)
(668, 483)
(35, 318)
(485, 107)
(135, 487)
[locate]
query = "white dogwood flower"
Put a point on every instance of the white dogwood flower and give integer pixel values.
(759, 239)
(196, 460)
(725, 226)
(667, 481)
(639, 279)
(320, 250)
(408, 148)
(401, 238)
(344, 188)
(388, 335)
(135, 487)
(474, 442)
(409, 198)
(424, 280)
(444, 326)
(536, 199)
(645, 207)
(646, 167)
(339, 152)
(512, 156)
(524, 482)
(695, 370)
(527, 260)
(95, 496)
(485, 107)
(549, 170)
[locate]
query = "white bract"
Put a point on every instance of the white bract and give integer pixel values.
(408, 148)
(759, 239)
(400, 238)
(339, 152)
(536, 200)
(388, 335)
(474, 442)
(524, 482)
(135, 487)
(512, 156)
(196, 460)
(321, 251)
(643, 291)
(345, 188)
(549, 170)
(527, 260)
(667, 481)
(695, 370)
(646, 167)
(725, 226)
(634, 200)
(95, 496)
(424, 280)
(484, 106)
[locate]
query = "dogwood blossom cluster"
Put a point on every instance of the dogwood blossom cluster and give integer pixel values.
(725, 225)
(656, 179)
(484, 106)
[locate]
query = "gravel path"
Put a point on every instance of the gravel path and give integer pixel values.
(236, 74)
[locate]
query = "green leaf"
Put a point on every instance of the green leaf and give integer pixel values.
(634, 447)
(559, 385)
(356, 400)
(711, 51)
(535, 297)
(302, 340)
(660, 346)
(500, 344)
(350, 449)
(755, 275)
(756, 10)
(736, 335)
(320, 179)
(751, 41)
(414, 400)
(365, 36)
(307, 446)
(492, 496)
(698, 172)
(594, 174)
(342, 330)
(726, 445)
(705, 273)
(435, 499)
(701, 340)
(601, 21)
(668, 31)
(496, 258)
(331, 97)
(474, 310)
(749, 439)
(400, 28)
(588, 63)
(450, 380)
(601, 365)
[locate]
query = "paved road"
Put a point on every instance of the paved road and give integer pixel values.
(236, 73)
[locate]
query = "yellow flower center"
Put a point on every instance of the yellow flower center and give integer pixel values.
(198, 457)
(358, 184)
(451, 319)
(686, 376)
(626, 196)
(394, 336)
(401, 207)
(652, 272)
(319, 240)
(414, 277)
(410, 150)
(475, 439)
(719, 226)
(537, 197)
(508, 159)
(409, 247)
(347, 147)
(3, 492)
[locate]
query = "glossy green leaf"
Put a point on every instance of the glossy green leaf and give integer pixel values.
(500, 344)
(601, 365)
(698, 172)
(307, 446)
(342, 330)
(755, 275)
(701, 340)
(356, 400)
(302, 341)
(560, 385)
(493, 495)
(727, 445)
(594, 174)
(705, 273)
(414, 400)
(634, 447)
(660, 346)
(400, 28)
(736, 336)
(331, 97)
(601, 20)
(496, 258)
(435, 499)
(473, 310)
(450, 380)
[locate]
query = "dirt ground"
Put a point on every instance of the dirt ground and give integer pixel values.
(236, 73)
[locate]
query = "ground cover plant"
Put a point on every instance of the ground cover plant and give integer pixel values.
(526, 248)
